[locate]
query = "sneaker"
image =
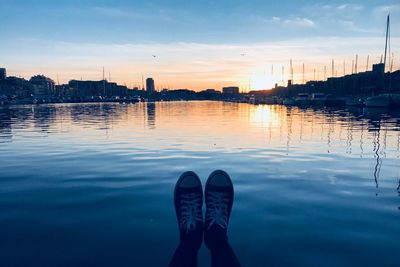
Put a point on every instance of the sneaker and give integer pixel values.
(188, 199)
(219, 201)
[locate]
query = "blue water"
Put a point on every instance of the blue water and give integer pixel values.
(92, 184)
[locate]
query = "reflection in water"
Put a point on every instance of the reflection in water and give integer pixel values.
(377, 169)
(362, 139)
(305, 130)
(151, 114)
(398, 190)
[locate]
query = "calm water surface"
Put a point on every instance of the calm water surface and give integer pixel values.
(92, 184)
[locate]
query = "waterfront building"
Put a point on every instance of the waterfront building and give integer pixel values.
(14, 86)
(85, 89)
(3, 74)
(150, 87)
(42, 85)
(232, 90)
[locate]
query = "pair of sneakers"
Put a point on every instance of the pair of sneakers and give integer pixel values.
(188, 199)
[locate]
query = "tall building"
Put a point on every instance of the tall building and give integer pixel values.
(3, 74)
(150, 88)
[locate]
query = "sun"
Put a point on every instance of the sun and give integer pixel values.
(262, 82)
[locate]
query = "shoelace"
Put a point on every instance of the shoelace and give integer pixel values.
(190, 211)
(217, 209)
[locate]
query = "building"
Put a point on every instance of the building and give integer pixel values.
(14, 86)
(88, 89)
(150, 88)
(3, 74)
(42, 85)
(233, 90)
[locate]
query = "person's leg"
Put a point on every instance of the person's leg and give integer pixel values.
(188, 200)
(219, 201)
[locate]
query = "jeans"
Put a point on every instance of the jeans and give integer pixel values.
(222, 255)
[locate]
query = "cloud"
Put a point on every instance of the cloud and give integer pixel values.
(338, 11)
(297, 22)
(109, 11)
(155, 14)
(349, 7)
(351, 25)
(386, 9)
(182, 64)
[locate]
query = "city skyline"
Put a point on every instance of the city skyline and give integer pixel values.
(197, 46)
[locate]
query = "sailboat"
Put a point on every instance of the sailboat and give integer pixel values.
(383, 100)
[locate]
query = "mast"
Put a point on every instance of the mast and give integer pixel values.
(104, 84)
(272, 74)
(391, 63)
(366, 69)
(304, 77)
(344, 67)
(291, 71)
(356, 66)
(386, 43)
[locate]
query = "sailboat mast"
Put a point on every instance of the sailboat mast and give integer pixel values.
(356, 66)
(386, 43)
(291, 71)
(344, 67)
(104, 84)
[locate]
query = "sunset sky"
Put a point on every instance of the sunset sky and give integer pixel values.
(193, 44)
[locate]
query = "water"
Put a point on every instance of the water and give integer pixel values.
(92, 184)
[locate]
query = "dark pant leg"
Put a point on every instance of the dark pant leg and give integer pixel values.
(185, 256)
(223, 256)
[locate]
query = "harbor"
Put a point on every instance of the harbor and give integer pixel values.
(199, 133)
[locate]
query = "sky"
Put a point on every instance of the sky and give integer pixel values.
(194, 44)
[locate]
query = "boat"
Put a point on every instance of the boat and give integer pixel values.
(383, 100)
(303, 99)
(288, 102)
(3, 100)
(354, 102)
(318, 99)
(252, 99)
(395, 98)
(380, 101)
